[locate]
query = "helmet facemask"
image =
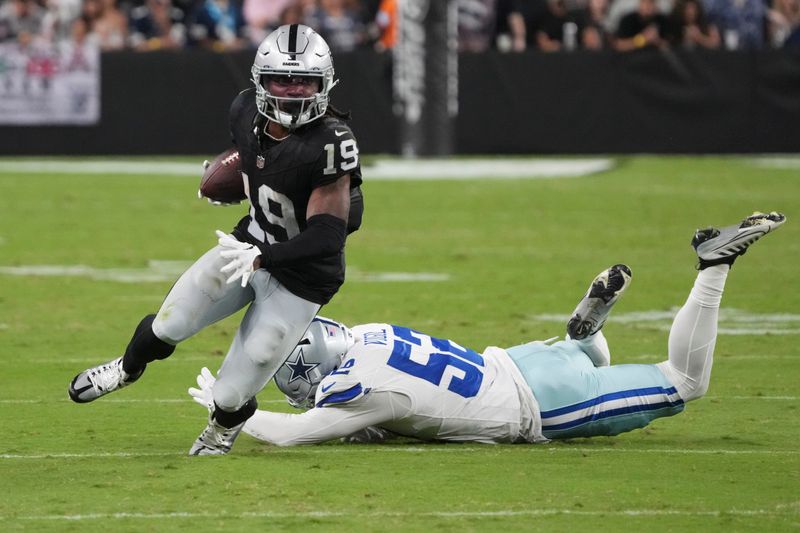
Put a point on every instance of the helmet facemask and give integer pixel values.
(290, 112)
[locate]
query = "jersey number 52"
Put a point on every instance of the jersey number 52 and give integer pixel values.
(462, 364)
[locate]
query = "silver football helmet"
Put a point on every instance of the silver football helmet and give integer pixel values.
(293, 50)
(319, 353)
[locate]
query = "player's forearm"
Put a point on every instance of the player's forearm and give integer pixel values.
(324, 236)
(314, 426)
(283, 429)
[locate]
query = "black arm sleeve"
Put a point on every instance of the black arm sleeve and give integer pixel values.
(324, 236)
(356, 210)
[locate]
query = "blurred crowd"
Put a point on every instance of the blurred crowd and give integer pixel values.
(347, 25)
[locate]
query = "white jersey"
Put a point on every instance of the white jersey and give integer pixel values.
(414, 385)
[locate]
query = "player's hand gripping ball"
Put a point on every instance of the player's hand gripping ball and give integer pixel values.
(222, 182)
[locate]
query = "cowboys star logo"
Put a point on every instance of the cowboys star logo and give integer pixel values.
(300, 368)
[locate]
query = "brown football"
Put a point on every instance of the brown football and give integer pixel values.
(222, 180)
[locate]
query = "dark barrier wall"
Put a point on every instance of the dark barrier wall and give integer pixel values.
(649, 101)
(177, 103)
(571, 103)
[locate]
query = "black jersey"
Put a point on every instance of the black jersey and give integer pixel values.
(280, 177)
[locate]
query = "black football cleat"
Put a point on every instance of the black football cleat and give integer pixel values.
(722, 246)
(592, 311)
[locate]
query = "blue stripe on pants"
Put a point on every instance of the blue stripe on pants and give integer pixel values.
(578, 400)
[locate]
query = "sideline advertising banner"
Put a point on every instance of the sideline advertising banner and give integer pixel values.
(57, 84)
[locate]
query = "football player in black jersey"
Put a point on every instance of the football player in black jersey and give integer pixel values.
(285, 259)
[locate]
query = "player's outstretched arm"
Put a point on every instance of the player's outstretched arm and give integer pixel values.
(317, 425)
(320, 424)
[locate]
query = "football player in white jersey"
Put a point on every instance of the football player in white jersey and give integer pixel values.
(376, 378)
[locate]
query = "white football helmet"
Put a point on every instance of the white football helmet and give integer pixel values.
(293, 50)
(319, 353)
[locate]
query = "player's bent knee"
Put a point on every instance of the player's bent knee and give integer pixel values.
(173, 324)
(227, 397)
(698, 390)
(687, 386)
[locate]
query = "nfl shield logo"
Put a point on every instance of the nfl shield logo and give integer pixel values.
(260, 161)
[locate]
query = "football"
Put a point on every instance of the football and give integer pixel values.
(222, 180)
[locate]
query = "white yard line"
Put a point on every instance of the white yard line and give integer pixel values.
(750, 398)
(657, 358)
(784, 162)
(731, 321)
(493, 168)
(110, 167)
(161, 271)
(93, 360)
(382, 169)
(790, 510)
(413, 449)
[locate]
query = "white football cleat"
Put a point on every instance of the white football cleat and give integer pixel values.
(215, 439)
(592, 311)
(722, 246)
(100, 380)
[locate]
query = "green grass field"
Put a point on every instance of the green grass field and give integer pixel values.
(512, 258)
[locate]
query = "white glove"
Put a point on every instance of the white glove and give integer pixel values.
(240, 256)
(203, 396)
(216, 202)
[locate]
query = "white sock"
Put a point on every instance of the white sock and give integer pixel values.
(596, 347)
(708, 286)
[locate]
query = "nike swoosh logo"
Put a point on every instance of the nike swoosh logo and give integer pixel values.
(339, 133)
(326, 388)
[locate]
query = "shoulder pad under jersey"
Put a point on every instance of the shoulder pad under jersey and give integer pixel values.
(340, 387)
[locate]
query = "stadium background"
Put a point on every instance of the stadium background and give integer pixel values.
(89, 245)
(428, 96)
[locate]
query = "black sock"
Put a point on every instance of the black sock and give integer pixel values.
(229, 419)
(703, 264)
(144, 348)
